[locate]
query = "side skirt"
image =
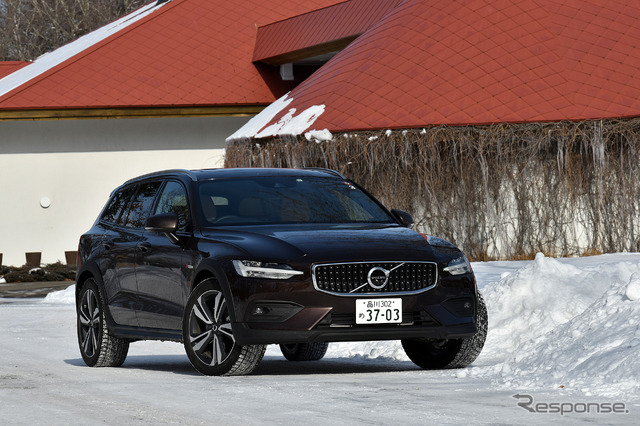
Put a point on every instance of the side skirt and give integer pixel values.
(140, 333)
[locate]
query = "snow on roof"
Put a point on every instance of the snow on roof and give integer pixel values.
(253, 126)
(289, 124)
(8, 67)
(182, 53)
(58, 56)
(480, 62)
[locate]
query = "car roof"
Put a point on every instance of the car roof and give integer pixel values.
(209, 174)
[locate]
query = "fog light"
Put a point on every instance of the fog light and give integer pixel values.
(263, 311)
(260, 311)
(467, 305)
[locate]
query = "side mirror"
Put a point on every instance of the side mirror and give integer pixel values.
(166, 223)
(403, 217)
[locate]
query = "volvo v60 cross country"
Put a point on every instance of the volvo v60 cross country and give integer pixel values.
(228, 261)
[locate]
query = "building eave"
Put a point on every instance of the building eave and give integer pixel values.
(114, 113)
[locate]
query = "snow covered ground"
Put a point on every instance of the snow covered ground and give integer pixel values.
(564, 336)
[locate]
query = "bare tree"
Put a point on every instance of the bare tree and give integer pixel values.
(29, 28)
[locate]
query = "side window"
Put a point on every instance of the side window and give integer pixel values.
(140, 205)
(117, 205)
(174, 200)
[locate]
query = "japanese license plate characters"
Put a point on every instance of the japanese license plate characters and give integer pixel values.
(378, 311)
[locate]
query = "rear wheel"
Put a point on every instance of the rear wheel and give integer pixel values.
(208, 336)
(304, 351)
(449, 353)
(98, 347)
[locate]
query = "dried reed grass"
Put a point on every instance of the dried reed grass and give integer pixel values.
(502, 191)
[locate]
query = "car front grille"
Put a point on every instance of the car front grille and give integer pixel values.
(374, 278)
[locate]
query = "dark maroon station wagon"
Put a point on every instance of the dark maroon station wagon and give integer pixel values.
(228, 261)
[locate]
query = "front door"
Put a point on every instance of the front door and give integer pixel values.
(163, 268)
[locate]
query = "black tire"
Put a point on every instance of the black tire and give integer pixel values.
(98, 347)
(304, 351)
(208, 336)
(449, 353)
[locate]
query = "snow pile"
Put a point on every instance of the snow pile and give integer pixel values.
(318, 136)
(382, 351)
(62, 297)
(553, 325)
(536, 299)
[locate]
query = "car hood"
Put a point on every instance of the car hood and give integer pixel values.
(335, 243)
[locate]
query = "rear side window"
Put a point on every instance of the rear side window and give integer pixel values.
(140, 205)
(113, 212)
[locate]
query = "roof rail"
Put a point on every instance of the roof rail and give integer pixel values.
(189, 173)
(330, 171)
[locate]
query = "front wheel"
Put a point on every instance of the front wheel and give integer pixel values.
(304, 351)
(208, 336)
(449, 353)
(98, 347)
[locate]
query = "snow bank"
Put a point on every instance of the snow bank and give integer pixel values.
(554, 325)
(536, 299)
(62, 297)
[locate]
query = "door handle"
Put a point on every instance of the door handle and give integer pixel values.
(107, 244)
(144, 247)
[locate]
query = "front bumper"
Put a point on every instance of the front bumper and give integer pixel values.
(270, 312)
(248, 336)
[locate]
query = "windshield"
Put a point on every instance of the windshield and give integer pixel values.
(286, 199)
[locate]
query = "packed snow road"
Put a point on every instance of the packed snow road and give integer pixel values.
(562, 347)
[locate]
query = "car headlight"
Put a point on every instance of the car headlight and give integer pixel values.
(255, 269)
(459, 266)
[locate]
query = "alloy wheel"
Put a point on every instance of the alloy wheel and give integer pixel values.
(90, 325)
(210, 334)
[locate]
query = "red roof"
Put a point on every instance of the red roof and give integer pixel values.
(324, 27)
(185, 53)
(481, 61)
(8, 67)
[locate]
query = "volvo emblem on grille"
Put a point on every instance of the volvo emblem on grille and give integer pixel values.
(378, 277)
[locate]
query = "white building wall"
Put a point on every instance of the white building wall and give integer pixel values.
(75, 164)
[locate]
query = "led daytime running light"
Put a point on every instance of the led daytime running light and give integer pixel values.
(458, 266)
(255, 269)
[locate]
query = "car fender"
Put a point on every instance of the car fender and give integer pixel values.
(210, 267)
(90, 269)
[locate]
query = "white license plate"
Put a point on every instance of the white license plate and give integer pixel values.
(378, 311)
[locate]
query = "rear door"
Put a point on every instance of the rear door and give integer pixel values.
(121, 241)
(119, 301)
